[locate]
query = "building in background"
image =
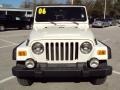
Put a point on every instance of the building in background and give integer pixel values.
(16, 12)
(1, 6)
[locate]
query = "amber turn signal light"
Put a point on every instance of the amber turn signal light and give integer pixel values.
(101, 52)
(22, 53)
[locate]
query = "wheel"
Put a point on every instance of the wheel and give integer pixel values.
(103, 26)
(24, 81)
(98, 81)
(2, 28)
(27, 27)
(20, 28)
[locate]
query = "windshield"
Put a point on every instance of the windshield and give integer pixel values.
(103, 19)
(46, 14)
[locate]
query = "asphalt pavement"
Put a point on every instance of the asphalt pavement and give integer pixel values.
(9, 39)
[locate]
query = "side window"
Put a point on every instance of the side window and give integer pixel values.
(11, 18)
(17, 18)
(2, 17)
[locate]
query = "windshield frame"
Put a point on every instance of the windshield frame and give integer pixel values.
(86, 16)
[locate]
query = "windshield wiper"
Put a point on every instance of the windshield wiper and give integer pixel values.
(75, 22)
(71, 21)
(53, 23)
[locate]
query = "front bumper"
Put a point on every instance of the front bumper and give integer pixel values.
(75, 70)
(96, 25)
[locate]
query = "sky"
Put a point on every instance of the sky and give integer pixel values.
(16, 3)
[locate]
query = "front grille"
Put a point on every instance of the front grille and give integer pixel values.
(61, 51)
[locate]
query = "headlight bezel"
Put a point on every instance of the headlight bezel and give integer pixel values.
(94, 63)
(86, 47)
(30, 63)
(39, 48)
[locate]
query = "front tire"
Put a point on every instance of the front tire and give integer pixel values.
(103, 26)
(24, 81)
(98, 81)
(2, 28)
(27, 27)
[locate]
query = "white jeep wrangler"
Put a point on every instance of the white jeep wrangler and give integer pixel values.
(61, 45)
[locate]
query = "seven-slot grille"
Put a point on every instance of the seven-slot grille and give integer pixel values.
(61, 51)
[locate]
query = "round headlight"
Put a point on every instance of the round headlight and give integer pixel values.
(86, 47)
(94, 63)
(30, 63)
(37, 48)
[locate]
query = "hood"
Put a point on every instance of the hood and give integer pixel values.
(98, 22)
(61, 33)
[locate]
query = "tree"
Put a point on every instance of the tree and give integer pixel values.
(117, 7)
(42, 2)
(98, 9)
(7, 6)
(68, 2)
(110, 8)
(26, 4)
(34, 5)
(89, 5)
(77, 2)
